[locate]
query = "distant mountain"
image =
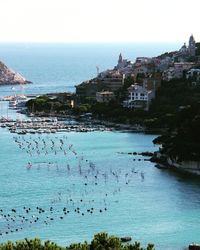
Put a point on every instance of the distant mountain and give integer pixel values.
(9, 77)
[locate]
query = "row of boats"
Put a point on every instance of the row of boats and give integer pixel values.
(42, 125)
(24, 127)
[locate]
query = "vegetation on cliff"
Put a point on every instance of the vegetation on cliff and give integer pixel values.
(183, 142)
(100, 241)
(171, 98)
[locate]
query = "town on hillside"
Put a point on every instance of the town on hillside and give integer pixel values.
(146, 74)
(132, 84)
(129, 86)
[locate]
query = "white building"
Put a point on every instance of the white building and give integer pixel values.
(139, 97)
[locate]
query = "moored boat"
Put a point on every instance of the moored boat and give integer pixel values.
(125, 239)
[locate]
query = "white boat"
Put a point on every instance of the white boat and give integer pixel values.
(13, 103)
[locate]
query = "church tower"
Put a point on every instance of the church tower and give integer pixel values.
(192, 46)
(120, 58)
(120, 61)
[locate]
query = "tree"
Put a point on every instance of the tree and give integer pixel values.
(101, 241)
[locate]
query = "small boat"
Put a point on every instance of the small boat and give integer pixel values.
(125, 239)
(23, 132)
(194, 246)
(13, 103)
(53, 131)
(12, 130)
(32, 132)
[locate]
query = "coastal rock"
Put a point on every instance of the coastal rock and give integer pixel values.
(192, 167)
(163, 161)
(9, 77)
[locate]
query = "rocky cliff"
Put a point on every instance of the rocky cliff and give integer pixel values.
(8, 76)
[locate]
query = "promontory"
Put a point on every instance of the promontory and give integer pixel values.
(10, 77)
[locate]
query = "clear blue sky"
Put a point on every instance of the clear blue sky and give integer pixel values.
(99, 20)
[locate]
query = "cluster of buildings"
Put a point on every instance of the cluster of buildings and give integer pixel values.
(146, 74)
(179, 62)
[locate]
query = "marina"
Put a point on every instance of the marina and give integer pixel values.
(47, 126)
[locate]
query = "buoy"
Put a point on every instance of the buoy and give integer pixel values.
(125, 239)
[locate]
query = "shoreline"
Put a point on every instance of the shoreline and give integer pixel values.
(137, 128)
(186, 167)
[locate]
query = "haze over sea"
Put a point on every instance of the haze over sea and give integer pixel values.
(129, 196)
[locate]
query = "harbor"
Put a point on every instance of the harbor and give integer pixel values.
(47, 123)
(32, 123)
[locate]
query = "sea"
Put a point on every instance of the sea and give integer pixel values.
(68, 186)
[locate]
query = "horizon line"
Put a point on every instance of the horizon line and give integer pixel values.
(91, 42)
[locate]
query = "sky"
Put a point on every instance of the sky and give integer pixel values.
(99, 20)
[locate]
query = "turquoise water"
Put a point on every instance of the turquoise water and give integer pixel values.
(149, 204)
(126, 194)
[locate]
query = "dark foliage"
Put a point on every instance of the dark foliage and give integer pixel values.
(47, 105)
(100, 241)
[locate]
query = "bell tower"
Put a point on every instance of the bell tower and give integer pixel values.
(120, 58)
(192, 46)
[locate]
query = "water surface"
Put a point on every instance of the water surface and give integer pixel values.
(147, 203)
